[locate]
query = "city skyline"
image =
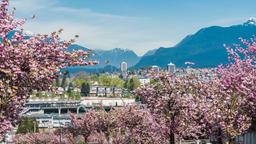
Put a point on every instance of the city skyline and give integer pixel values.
(136, 25)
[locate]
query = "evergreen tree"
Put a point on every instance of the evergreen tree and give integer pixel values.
(57, 81)
(70, 88)
(85, 89)
(27, 125)
(64, 79)
(133, 83)
(126, 84)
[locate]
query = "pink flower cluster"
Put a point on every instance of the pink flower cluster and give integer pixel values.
(219, 107)
(28, 63)
(120, 125)
(44, 138)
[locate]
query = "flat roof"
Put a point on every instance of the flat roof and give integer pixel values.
(50, 102)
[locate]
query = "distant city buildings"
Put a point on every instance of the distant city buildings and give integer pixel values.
(171, 68)
(155, 69)
(53, 113)
(124, 67)
(189, 64)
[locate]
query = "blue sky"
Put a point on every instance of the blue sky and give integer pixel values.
(139, 25)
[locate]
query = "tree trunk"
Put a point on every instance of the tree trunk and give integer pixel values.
(171, 138)
(85, 138)
(219, 139)
(232, 141)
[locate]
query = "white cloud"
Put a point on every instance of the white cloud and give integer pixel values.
(96, 30)
(28, 6)
(85, 12)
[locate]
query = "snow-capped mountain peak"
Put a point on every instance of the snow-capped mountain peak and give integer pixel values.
(250, 21)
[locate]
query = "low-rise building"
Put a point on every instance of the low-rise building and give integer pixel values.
(144, 81)
(155, 69)
(52, 113)
(105, 91)
(107, 102)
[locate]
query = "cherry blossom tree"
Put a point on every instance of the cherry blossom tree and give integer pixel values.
(121, 125)
(237, 90)
(194, 106)
(179, 104)
(28, 63)
(44, 138)
(34, 138)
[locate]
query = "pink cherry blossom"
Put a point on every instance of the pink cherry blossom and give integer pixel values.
(119, 126)
(28, 64)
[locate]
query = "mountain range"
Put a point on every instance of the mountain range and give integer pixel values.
(205, 48)
(109, 60)
(113, 57)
